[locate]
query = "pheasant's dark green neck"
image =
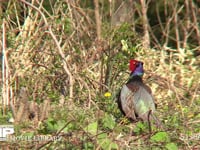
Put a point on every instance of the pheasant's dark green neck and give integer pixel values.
(135, 79)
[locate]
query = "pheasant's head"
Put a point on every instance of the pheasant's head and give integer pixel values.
(136, 68)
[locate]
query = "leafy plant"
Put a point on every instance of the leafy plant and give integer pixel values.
(163, 137)
(108, 121)
(92, 128)
(106, 143)
(51, 126)
(140, 128)
(160, 137)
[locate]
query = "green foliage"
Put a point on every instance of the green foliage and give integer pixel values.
(163, 137)
(108, 121)
(92, 128)
(105, 142)
(52, 125)
(48, 5)
(171, 146)
(102, 139)
(4, 118)
(123, 33)
(160, 137)
(27, 134)
(140, 128)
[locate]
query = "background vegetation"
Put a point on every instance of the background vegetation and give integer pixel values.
(64, 61)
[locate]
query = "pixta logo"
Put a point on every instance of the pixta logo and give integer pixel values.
(5, 130)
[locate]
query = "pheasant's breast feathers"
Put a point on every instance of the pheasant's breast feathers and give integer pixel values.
(143, 100)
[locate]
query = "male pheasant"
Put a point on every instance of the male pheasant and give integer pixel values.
(135, 99)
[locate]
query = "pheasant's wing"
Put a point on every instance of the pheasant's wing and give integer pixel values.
(132, 87)
(148, 89)
(126, 100)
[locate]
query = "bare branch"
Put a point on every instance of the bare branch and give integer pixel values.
(58, 46)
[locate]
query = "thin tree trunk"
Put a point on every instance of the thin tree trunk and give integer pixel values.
(195, 21)
(146, 38)
(98, 19)
(186, 26)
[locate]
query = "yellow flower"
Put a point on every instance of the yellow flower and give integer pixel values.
(107, 94)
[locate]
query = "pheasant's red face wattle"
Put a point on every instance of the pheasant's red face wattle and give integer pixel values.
(133, 65)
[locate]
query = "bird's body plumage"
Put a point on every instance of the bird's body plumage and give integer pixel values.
(136, 99)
